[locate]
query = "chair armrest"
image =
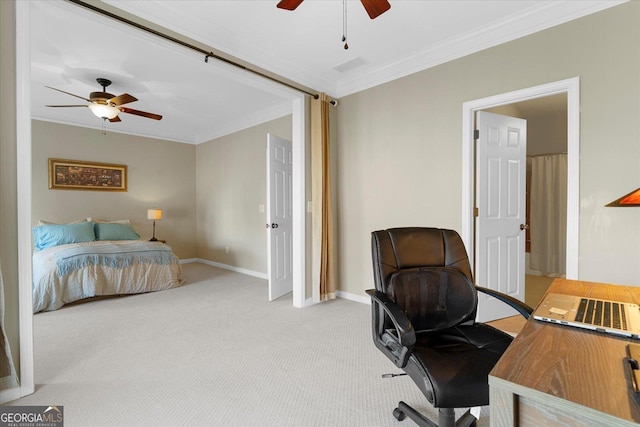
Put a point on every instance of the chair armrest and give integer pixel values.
(516, 304)
(406, 334)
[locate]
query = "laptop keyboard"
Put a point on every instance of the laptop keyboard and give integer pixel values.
(601, 313)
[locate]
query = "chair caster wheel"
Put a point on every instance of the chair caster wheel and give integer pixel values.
(399, 414)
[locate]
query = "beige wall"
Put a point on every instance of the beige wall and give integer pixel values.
(231, 185)
(8, 192)
(400, 148)
(160, 174)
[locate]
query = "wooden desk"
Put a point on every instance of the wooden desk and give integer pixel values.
(558, 375)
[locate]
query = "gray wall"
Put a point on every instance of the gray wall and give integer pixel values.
(400, 148)
(8, 170)
(231, 185)
(160, 174)
(223, 180)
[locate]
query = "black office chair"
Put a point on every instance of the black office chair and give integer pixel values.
(424, 309)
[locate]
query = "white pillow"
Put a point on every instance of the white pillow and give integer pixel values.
(43, 222)
(104, 221)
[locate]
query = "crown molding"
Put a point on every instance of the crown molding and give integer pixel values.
(246, 122)
(532, 21)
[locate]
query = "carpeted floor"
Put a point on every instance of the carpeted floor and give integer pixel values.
(215, 353)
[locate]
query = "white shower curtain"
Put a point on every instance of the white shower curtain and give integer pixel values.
(548, 222)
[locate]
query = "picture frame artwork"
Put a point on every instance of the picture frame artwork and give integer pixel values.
(86, 175)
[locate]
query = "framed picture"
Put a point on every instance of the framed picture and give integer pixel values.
(81, 175)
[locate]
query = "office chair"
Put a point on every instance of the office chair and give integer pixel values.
(423, 311)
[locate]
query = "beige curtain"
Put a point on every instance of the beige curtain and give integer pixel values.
(323, 281)
(8, 377)
(549, 214)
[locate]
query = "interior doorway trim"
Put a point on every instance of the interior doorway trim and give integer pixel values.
(572, 88)
(23, 183)
(23, 146)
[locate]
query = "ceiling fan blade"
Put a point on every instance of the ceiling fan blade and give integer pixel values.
(115, 119)
(141, 113)
(66, 105)
(125, 98)
(289, 4)
(69, 93)
(375, 8)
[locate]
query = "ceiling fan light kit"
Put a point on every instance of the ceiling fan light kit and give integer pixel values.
(104, 111)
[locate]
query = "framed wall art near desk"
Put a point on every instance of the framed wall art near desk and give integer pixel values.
(86, 175)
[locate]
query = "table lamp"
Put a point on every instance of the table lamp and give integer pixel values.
(631, 199)
(154, 214)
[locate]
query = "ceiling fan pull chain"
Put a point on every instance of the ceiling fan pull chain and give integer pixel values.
(344, 24)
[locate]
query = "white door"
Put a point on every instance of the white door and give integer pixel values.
(501, 220)
(279, 213)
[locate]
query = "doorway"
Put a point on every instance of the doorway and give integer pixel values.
(543, 250)
(299, 105)
(568, 87)
(279, 209)
(500, 219)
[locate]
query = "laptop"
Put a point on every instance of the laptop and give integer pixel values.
(612, 317)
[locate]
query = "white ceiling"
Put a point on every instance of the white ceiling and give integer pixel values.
(72, 46)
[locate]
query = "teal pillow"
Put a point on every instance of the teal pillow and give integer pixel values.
(115, 231)
(48, 235)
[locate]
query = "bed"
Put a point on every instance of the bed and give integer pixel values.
(72, 262)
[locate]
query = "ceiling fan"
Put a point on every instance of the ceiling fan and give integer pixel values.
(374, 8)
(107, 106)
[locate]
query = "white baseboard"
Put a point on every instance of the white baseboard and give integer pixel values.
(344, 295)
(308, 302)
(353, 297)
(230, 267)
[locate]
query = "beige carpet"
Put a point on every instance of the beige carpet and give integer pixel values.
(215, 353)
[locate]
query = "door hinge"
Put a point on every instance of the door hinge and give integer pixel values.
(476, 134)
(475, 212)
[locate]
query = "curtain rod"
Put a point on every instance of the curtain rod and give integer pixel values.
(208, 55)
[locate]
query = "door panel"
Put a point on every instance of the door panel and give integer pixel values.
(500, 198)
(279, 220)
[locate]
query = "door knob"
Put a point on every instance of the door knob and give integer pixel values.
(274, 225)
(524, 226)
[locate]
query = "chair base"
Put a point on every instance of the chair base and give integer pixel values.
(446, 417)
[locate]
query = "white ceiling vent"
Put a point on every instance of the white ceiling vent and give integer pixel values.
(351, 64)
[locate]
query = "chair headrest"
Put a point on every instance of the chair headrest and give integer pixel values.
(398, 249)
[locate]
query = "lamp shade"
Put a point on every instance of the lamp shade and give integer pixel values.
(631, 199)
(104, 111)
(154, 214)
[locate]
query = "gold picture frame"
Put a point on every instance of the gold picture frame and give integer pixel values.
(84, 175)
